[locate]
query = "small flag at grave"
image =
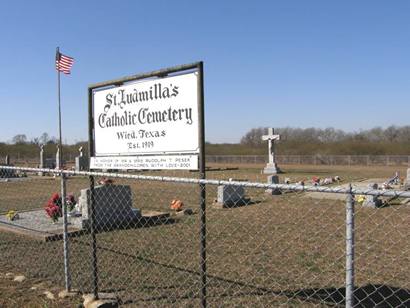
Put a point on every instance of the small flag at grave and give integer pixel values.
(63, 63)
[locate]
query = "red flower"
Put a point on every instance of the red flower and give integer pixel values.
(53, 207)
(55, 197)
(53, 211)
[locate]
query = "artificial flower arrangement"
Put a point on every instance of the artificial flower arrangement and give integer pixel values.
(70, 201)
(12, 215)
(176, 205)
(105, 181)
(54, 204)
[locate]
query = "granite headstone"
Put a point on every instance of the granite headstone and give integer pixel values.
(230, 196)
(273, 179)
(113, 206)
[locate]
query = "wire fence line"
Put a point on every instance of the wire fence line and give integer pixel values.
(139, 236)
(336, 160)
(331, 160)
(285, 187)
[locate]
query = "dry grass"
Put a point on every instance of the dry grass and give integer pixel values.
(278, 250)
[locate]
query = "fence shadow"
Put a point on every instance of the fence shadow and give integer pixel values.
(371, 295)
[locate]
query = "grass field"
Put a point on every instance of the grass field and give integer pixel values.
(286, 250)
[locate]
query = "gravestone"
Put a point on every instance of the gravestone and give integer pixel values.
(273, 179)
(372, 201)
(50, 163)
(81, 162)
(230, 195)
(7, 173)
(271, 166)
(407, 181)
(42, 160)
(113, 207)
(58, 162)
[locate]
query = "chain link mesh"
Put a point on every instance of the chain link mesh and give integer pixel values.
(261, 249)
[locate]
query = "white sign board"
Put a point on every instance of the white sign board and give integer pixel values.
(187, 162)
(158, 116)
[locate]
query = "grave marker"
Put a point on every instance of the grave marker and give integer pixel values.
(42, 159)
(81, 162)
(7, 173)
(407, 180)
(58, 162)
(372, 201)
(273, 179)
(230, 196)
(271, 166)
(113, 207)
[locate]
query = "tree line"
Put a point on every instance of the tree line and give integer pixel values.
(21, 147)
(391, 134)
(393, 140)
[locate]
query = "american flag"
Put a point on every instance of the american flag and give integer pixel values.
(63, 63)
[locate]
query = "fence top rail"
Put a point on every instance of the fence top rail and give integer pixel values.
(310, 155)
(288, 187)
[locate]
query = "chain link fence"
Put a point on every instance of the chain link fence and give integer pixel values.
(174, 240)
(330, 160)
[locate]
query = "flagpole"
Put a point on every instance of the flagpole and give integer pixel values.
(63, 186)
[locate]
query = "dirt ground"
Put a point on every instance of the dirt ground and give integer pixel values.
(30, 293)
(284, 250)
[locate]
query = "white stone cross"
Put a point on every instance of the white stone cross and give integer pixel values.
(270, 137)
(58, 162)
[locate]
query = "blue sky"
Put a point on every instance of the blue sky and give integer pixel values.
(344, 64)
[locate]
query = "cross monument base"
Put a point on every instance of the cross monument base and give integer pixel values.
(271, 169)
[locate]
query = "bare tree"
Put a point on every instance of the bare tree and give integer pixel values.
(254, 136)
(19, 139)
(44, 138)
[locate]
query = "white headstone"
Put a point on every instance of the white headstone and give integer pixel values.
(42, 159)
(58, 162)
(407, 182)
(271, 166)
(372, 201)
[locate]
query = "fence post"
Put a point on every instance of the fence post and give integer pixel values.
(349, 299)
(202, 187)
(93, 238)
(91, 196)
(67, 275)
